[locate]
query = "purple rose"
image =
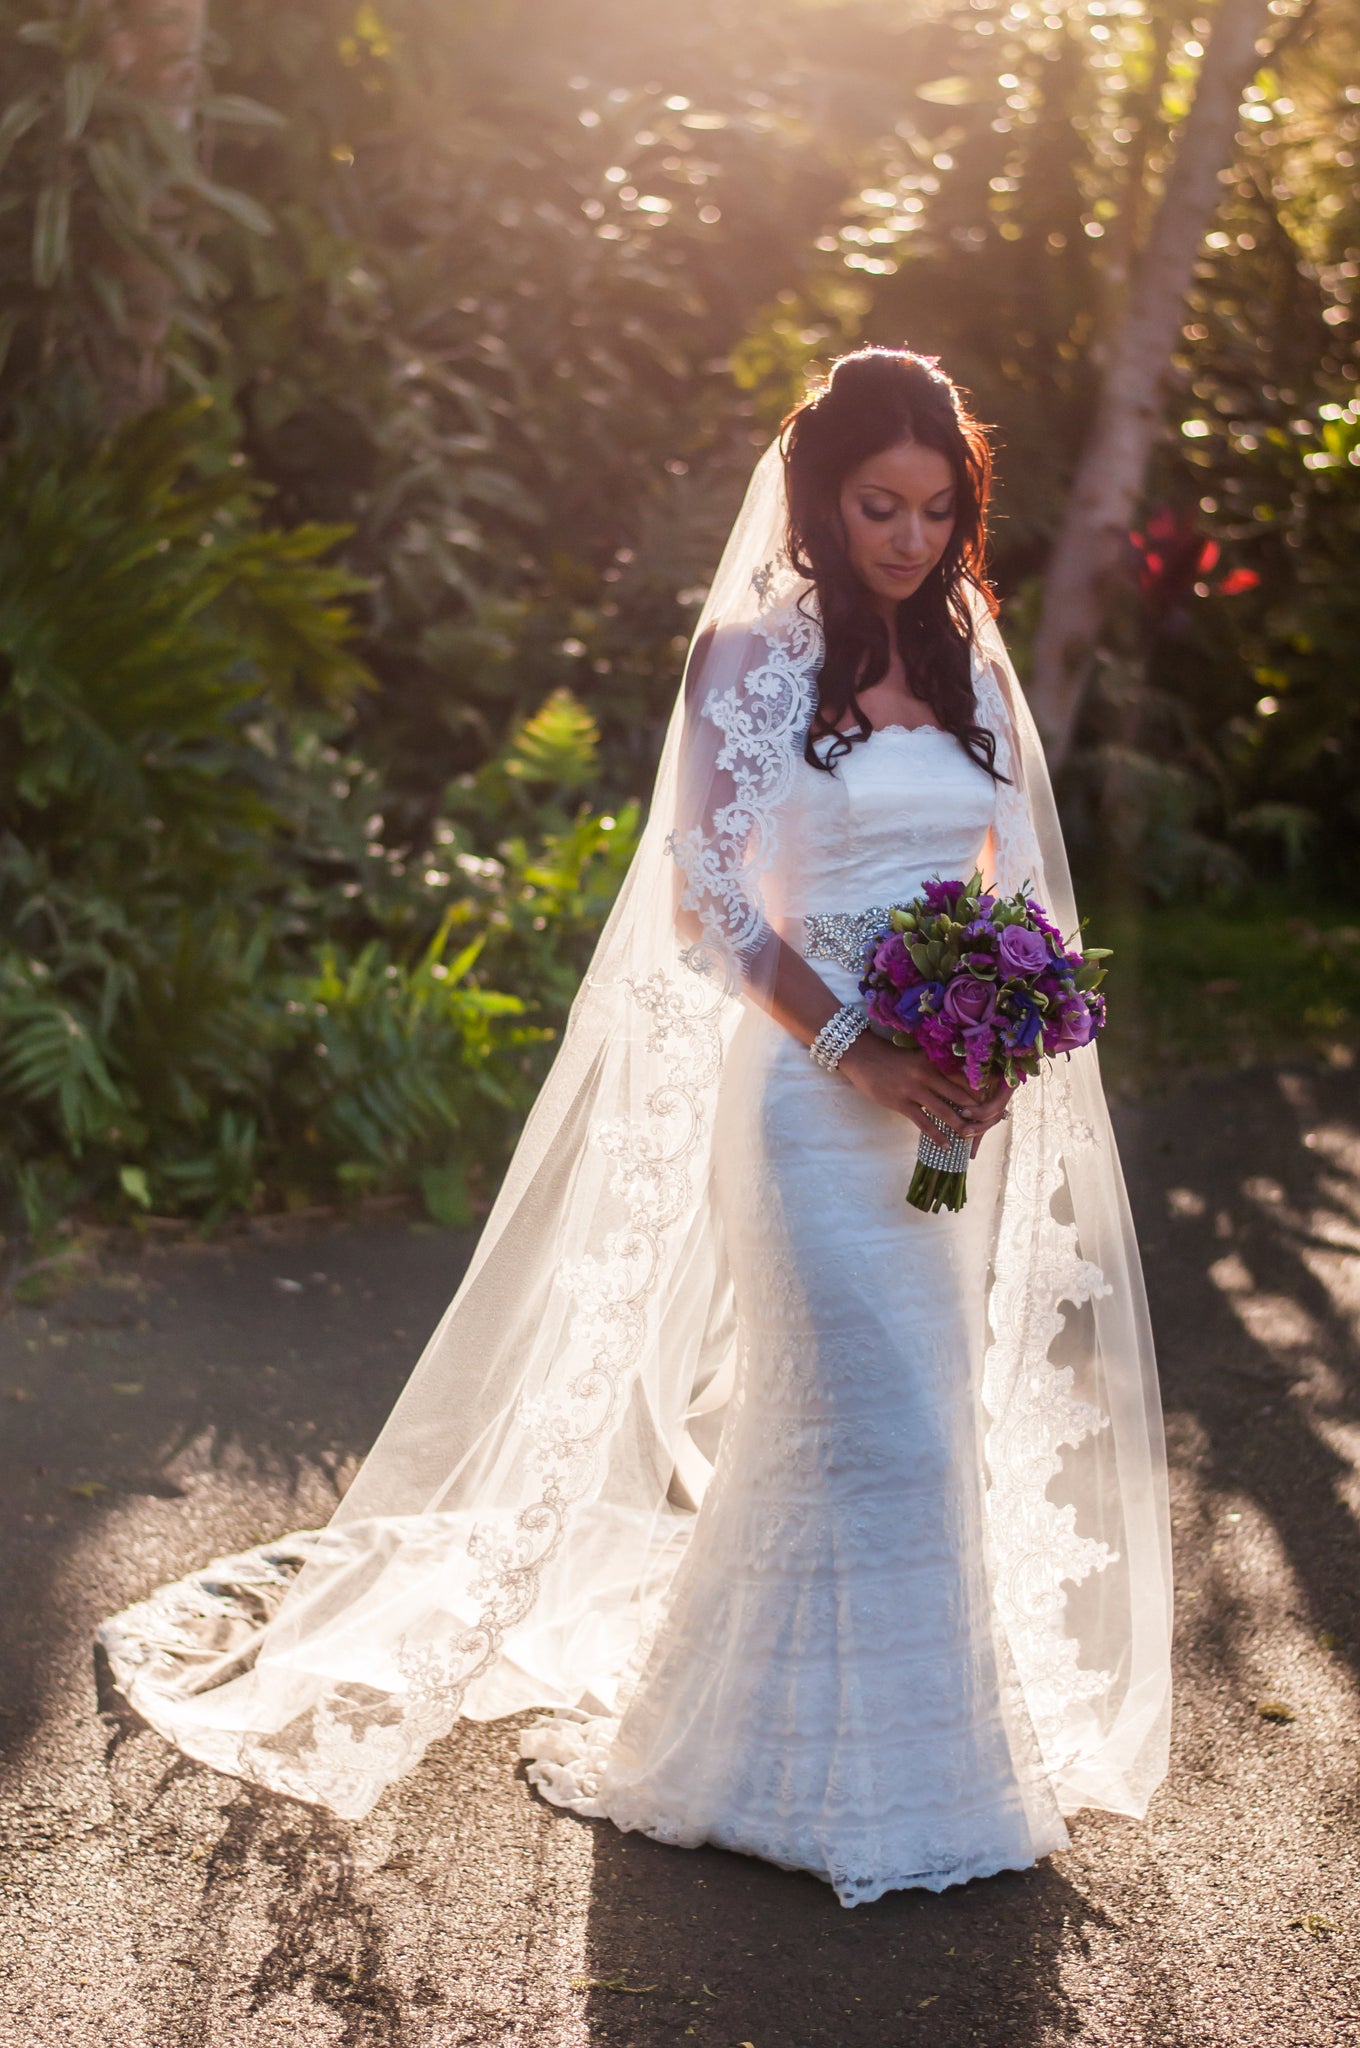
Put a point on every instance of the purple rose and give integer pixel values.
(1023, 951)
(1079, 1024)
(1071, 1027)
(968, 1001)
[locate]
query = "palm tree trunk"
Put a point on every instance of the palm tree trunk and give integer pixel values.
(1109, 481)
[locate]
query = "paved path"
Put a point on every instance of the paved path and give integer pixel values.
(192, 1401)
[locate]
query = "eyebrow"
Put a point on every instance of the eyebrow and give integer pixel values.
(884, 492)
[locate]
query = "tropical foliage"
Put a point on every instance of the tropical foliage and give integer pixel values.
(378, 380)
(218, 982)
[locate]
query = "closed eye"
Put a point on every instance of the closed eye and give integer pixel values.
(881, 514)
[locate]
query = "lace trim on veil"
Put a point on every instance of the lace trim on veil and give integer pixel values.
(763, 720)
(351, 1739)
(355, 1745)
(1033, 1411)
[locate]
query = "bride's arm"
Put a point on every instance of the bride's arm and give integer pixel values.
(718, 842)
(906, 1082)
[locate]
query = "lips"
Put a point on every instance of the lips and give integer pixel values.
(903, 568)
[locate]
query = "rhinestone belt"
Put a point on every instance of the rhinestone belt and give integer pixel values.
(842, 935)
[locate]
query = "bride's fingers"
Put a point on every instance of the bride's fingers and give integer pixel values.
(938, 1106)
(956, 1093)
(914, 1113)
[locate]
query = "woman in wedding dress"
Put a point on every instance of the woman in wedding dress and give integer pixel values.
(826, 1530)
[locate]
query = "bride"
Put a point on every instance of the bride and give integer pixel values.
(821, 1529)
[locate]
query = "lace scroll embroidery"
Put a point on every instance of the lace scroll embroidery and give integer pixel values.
(361, 1739)
(1034, 1413)
(762, 719)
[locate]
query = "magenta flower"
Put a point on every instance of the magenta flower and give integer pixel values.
(1040, 917)
(979, 1042)
(893, 959)
(880, 1008)
(936, 1040)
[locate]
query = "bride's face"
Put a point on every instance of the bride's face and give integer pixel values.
(899, 511)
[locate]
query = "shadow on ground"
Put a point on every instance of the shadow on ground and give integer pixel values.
(180, 1406)
(734, 1951)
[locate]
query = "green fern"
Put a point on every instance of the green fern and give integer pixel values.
(559, 745)
(49, 1054)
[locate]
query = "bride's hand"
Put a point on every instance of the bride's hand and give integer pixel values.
(911, 1085)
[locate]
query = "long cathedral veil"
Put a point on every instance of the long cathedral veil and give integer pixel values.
(510, 1540)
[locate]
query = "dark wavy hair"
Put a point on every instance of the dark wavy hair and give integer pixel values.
(876, 399)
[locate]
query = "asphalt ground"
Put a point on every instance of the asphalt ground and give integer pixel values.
(182, 1401)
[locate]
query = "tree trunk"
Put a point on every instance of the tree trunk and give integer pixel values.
(1109, 481)
(156, 48)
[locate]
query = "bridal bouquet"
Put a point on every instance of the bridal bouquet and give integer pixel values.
(985, 987)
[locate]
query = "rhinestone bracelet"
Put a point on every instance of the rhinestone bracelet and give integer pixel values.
(837, 1036)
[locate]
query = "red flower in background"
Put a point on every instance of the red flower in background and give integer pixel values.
(1236, 581)
(1175, 561)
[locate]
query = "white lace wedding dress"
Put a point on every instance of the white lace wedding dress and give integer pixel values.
(824, 1687)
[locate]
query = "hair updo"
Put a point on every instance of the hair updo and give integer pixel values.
(876, 399)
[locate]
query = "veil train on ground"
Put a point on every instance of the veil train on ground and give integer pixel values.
(509, 1542)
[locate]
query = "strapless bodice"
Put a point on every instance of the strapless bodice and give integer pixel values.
(900, 807)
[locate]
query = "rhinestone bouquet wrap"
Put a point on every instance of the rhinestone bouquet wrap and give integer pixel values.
(986, 987)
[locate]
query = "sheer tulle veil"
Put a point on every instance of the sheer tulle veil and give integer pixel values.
(511, 1538)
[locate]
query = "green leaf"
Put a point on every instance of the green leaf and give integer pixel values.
(133, 1181)
(9, 321)
(558, 744)
(234, 108)
(122, 180)
(18, 117)
(238, 206)
(51, 227)
(79, 89)
(51, 34)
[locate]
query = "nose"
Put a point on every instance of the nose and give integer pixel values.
(909, 537)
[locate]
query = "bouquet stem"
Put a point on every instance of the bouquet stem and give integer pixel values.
(932, 1190)
(941, 1177)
